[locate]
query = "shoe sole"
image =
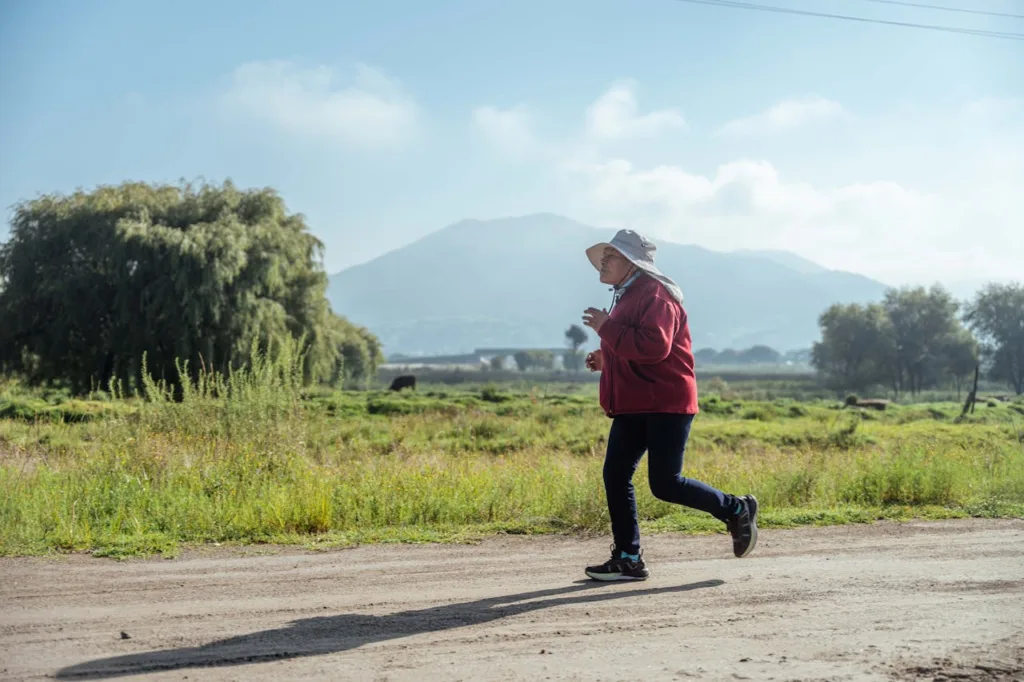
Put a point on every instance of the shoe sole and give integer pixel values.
(752, 501)
(612, 577)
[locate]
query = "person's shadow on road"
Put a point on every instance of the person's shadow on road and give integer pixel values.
(333, 634)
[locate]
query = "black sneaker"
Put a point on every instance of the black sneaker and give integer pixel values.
(743, 527)
(618, 568)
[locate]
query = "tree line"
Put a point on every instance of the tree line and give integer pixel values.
(917, 339)
(755, 355)
(543, 359)
(94, 284)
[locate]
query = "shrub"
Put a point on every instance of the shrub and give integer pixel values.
(718, 386)
(492, 394)
(761, 413)
(714, 405)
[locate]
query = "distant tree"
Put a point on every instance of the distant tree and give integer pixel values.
(358, 354)
(575, 337)
(997, 316)
(524, 360)
(706, 356)
(855, 348)
(760, 355)
(573, 360)
(960, 357)
(912, 341)
(92, 281)
(922, 323)
(498, 363)
(542, 359)
(728, 357)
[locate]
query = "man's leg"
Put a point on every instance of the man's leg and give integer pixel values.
(626, 445)
(667, 435)
(627, 441)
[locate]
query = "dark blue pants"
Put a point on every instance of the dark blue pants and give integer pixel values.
(663, 437)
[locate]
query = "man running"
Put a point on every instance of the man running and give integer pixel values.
(649, 389)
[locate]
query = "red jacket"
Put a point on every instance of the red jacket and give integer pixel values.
(647, 354)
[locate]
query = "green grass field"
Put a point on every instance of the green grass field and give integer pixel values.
(265, 462)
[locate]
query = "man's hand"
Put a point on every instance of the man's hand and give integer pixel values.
(594, 318)
(595, 361)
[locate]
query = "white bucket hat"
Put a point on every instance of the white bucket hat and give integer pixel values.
(639, 251)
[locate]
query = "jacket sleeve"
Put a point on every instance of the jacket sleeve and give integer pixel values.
(650, 340)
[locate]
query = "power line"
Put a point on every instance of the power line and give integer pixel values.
(808, 13)
(789, 10)
(946, 8)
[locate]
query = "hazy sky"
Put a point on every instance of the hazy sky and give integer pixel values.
(891, 151)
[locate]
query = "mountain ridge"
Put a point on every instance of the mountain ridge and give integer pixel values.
(521, 281)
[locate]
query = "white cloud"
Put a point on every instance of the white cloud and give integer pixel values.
(508, 130)
(965, 226)
(614, 115)
(954, 215)
(882, 229)
(370, 110)
(786, 115)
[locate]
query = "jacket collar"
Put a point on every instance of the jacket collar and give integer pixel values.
(618, 291)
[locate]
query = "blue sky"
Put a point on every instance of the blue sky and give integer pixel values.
(871, 148)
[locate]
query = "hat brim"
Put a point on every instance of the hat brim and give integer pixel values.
(596, 252)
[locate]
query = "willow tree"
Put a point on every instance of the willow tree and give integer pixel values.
(92, 282)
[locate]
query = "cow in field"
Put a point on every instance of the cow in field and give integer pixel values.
(404, 381)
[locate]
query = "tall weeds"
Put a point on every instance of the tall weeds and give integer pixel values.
(247, 456)
(257, 403)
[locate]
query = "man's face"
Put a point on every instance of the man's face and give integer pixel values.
(614, 266)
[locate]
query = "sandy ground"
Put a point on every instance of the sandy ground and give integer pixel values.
(919, 601)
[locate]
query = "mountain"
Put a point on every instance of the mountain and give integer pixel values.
(790, 260)
(522, 281)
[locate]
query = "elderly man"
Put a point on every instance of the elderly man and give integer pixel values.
(649, 389)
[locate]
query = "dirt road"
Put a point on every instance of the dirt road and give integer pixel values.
(921, 601)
